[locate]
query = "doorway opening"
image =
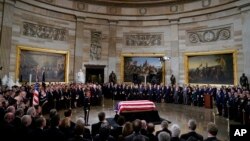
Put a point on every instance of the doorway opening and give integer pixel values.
(95, 74)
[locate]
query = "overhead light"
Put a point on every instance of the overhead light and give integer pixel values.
(166, 58)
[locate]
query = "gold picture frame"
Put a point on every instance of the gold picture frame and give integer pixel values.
(146, 64)
(41, 64)
(213, 67)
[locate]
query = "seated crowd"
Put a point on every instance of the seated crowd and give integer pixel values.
(32, 125)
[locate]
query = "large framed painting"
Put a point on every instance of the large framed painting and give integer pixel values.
(217, 67)
(41, 65)
(142, 68)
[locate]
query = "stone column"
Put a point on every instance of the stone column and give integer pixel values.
(175, 56)
(6, 34)
(78, 58)
(112, 58)
(245, 41)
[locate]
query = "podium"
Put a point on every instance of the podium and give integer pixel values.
(208, 101)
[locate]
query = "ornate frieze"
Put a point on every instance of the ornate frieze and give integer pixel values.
(81, 6)
(44, 32)
(142, 11)
(206, 3)
(209, 35)
(95, 46)
(143, 39)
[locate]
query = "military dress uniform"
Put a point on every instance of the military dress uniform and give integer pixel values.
(86, 108)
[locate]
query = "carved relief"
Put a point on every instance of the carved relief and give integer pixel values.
(49, 1)
(206, 3)
(95, 46)
(81, 6)
(112, 10)
(142, 11)
(143, 39)
(174, 8)
(209, 35)
(44, 32)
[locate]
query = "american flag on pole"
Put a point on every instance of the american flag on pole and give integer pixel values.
(36, 94)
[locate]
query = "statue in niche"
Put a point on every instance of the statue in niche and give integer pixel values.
(244, 81)
(80, 76)
(173, 80)
(112, 77)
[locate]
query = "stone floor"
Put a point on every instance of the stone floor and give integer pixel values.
(178, 114)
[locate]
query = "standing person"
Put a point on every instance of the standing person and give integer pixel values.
(86, 106)
(244, 81)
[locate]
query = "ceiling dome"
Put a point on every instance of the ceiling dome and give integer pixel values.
(134, 3)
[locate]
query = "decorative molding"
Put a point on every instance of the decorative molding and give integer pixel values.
(174, 8)
(44, 32)
(209, 35)
(81, 6)
(112, 10)
(49, 1)
(95, 46)
(143, 39)
(143, 11)
(206, 3)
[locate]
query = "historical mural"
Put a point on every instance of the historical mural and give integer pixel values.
(39, 65)
(138, 67)
(211, 68)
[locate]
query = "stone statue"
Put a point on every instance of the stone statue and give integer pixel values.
(172, 80)
(80, 76)
(244, 81)
(17, 83)
(10, 82)
(5, 80)
(112, 77)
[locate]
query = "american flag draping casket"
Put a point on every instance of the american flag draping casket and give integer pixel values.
(135, 106)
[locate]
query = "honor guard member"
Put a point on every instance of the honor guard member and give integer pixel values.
(86, 106)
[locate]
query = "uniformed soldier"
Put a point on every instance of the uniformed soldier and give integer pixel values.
(86, 106)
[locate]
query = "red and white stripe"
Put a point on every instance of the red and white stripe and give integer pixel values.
(35, 98)
(137, 105)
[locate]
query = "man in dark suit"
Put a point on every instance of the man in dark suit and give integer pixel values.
(150, 132)
(54, 133)
(212, 132)
(96, 126)
(80, 123)
(136, 134)
(38, 133)
(68, 114)
(164, 126)
(115, 132)
(192, 134)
